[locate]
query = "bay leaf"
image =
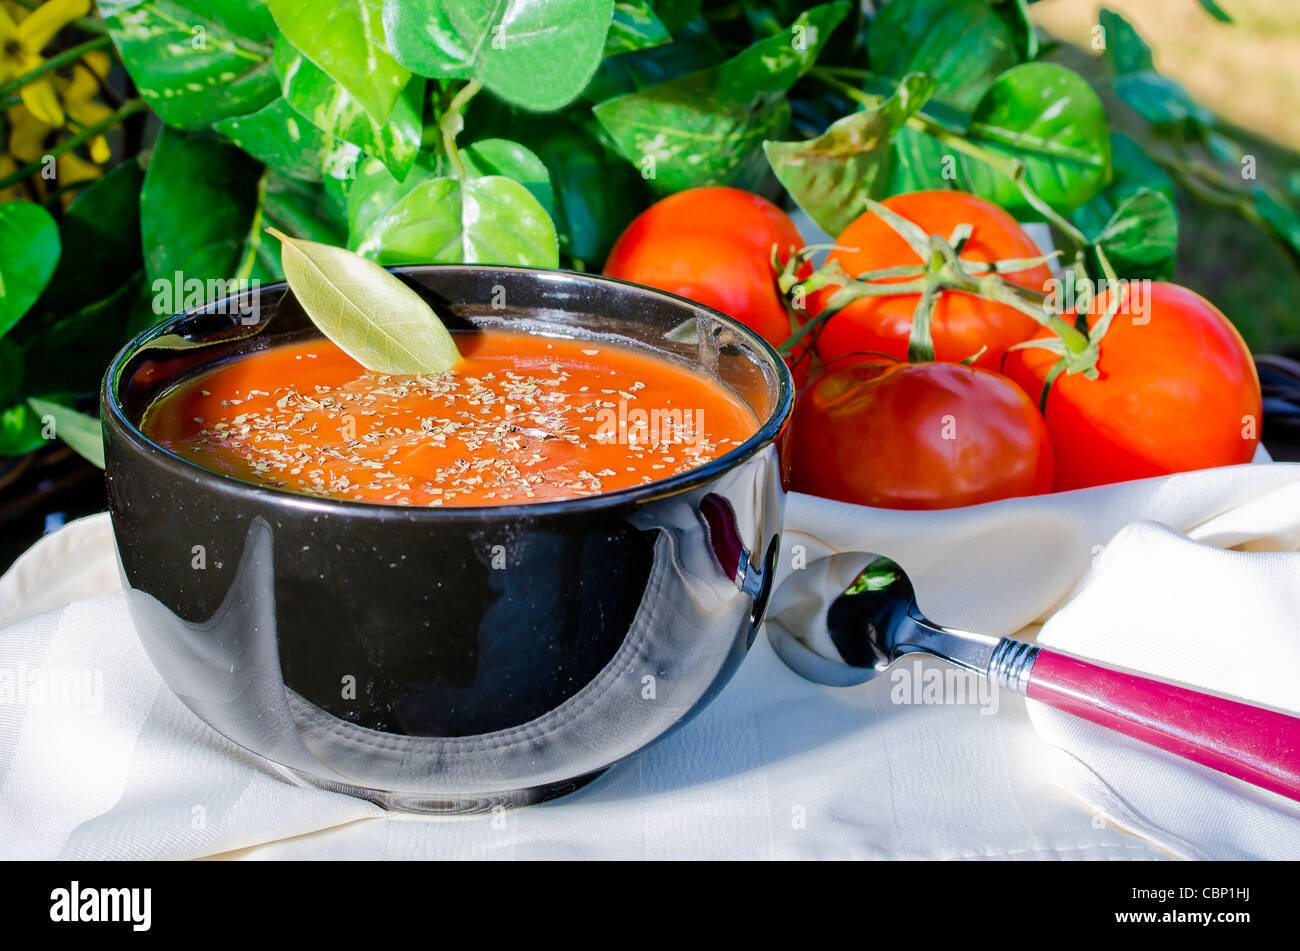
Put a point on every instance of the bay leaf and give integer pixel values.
(370, 314)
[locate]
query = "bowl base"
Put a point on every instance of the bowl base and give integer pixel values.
(422, 804)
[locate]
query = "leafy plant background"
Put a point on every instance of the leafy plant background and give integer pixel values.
(531, 132)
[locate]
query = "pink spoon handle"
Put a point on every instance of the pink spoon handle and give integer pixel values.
(1251, 743)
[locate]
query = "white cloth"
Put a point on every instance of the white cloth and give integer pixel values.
(108, 764)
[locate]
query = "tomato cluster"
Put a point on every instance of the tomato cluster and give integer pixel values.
(1170, 385)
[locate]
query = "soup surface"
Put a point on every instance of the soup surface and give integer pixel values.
(522, 418)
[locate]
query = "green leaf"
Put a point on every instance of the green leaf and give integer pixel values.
(1050, 119)
(199, 211)
(70, 352)
(503, 157)
(1126, 51)
(1161, 101)
(1223, 148)
(1040, 114)
(1216, 11)
(374, 191)
(1016, 13)
(1156, 98)
(195, 63)
(596, 192)
(832, 176)
(201, 215)
(100, 234)
(303, 210)
(345, 38)
(83, 433)
(93, 301)
(20, 431)
(332, 109)
(1142, 234)
(372, 316)
(538, 54)
(634, 27)
(1132, 171)
(281, 138)
(963, 44)
(707, 128)
(693, 48)
(29, 251)
(491, 220)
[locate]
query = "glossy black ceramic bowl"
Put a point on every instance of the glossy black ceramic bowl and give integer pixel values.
(448, 659)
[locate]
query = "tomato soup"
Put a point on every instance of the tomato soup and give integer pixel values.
(522, 418)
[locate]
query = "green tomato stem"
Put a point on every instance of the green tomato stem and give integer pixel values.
(920, 343)
(847, 294)
(920, 122)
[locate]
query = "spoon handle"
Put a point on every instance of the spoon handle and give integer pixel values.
(1258, 745)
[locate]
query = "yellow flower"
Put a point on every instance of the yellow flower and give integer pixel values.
(78, 95)
(27, 134)
(20, 53)
(72, 169)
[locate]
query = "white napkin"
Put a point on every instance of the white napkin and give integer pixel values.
(776, 767)
(1109, 572)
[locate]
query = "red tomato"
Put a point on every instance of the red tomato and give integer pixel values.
(714, 246)
(1177, 390)
(962, 323)
(917, 436)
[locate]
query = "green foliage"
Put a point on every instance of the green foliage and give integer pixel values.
(833, 175)
(195, 63)
(1141, 235)
(634, 26)
(492, 220)
(963, 44)
(539, 57)
(1041, 115)
(345, 38)
(199, 210)
(280, 137)
(29, 252)
(335, 111)
(707, 128)
(531, 133)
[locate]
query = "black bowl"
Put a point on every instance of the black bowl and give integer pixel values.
(448, 659)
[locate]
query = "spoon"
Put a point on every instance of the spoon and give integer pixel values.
(877, 621)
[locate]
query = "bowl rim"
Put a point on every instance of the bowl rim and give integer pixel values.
(114, 414)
